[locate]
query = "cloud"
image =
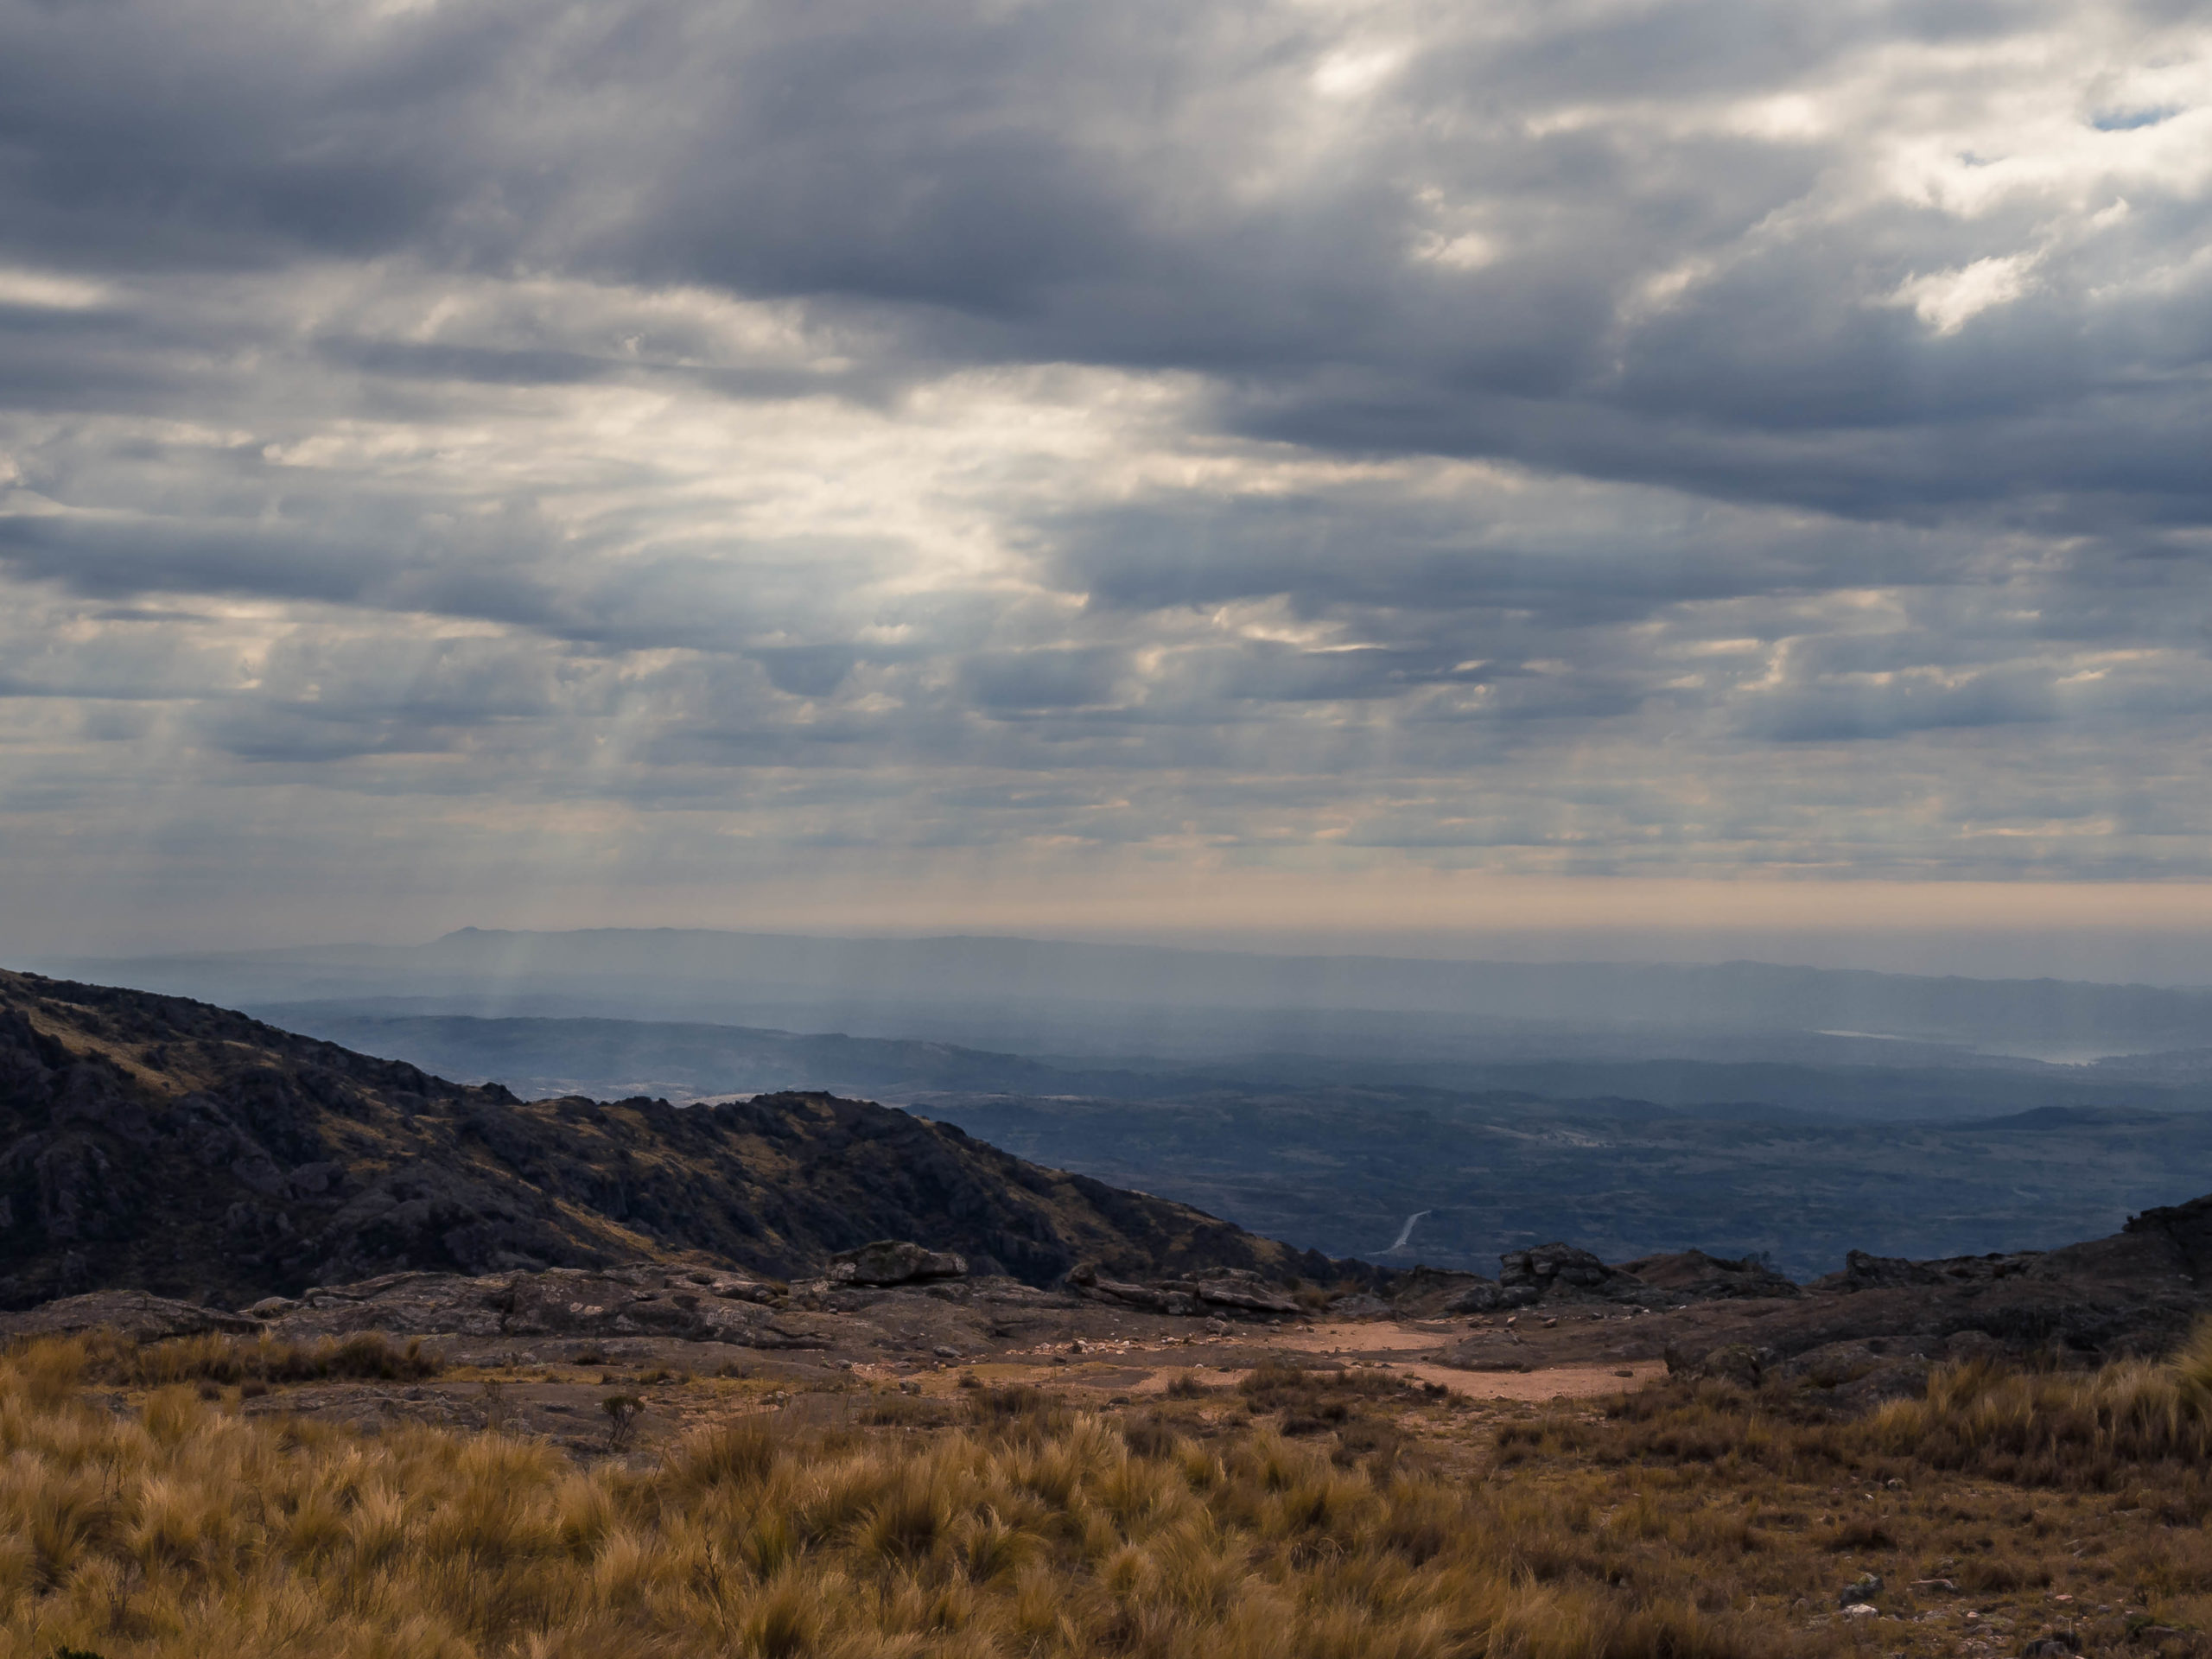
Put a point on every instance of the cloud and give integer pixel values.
(1707, 435)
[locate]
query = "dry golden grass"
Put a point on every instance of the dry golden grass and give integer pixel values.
(182, 1528)
(1309, 1515)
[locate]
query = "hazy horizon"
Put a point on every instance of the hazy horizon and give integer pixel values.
(2110, 956)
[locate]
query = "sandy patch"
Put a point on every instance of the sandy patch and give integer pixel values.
(1404, 1349)
(1559, 1383)
(1368, 1336)
(1556, 1383)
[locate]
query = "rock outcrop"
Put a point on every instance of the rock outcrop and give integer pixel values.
(1566, 1272)
(1221, 1290)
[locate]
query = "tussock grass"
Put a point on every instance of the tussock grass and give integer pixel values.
(2133, 1421)
(181, 1528)
(2093, 1430)
(2073, 1503)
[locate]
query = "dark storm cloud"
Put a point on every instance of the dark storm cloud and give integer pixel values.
(1363, 549)
(1315, 406)
(1053, 182)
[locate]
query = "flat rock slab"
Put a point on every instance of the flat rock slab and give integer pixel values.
(132, 1313)
(561, 1302)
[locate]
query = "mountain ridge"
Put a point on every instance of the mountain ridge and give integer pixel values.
(170, 1146)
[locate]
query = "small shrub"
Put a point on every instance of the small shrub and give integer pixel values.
(622, 1412)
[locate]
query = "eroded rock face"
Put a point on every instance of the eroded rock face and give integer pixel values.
(894, 1261)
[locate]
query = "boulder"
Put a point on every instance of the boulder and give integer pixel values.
(1241, 1288)
(1153, 1299)
(894, 1261)
(1569, 1272)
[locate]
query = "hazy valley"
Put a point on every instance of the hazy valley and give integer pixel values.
(1741, 1110)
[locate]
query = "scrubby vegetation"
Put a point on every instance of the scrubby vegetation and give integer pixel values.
(249, 1361)
(1334, 1513)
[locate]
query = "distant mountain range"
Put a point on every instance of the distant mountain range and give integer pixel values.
(684, 1061)
(1035, 996)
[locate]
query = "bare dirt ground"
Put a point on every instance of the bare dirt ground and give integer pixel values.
(928, 1344)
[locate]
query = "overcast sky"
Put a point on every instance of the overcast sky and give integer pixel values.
(672, 462)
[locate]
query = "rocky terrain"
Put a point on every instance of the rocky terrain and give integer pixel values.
(156, 1144)
(1556, 1322)
(172, 1169)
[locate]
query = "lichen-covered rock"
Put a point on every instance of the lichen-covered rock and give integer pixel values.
(559, 1302)
(894, 1261)
(1243, 1289)
(1237, 1290)
(132, 1314)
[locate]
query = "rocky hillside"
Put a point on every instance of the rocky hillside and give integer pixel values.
(164, 1145)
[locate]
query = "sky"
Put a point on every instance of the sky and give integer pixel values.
(1328, 468)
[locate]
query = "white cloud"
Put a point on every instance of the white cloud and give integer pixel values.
(48, 290)
(1947, 300)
